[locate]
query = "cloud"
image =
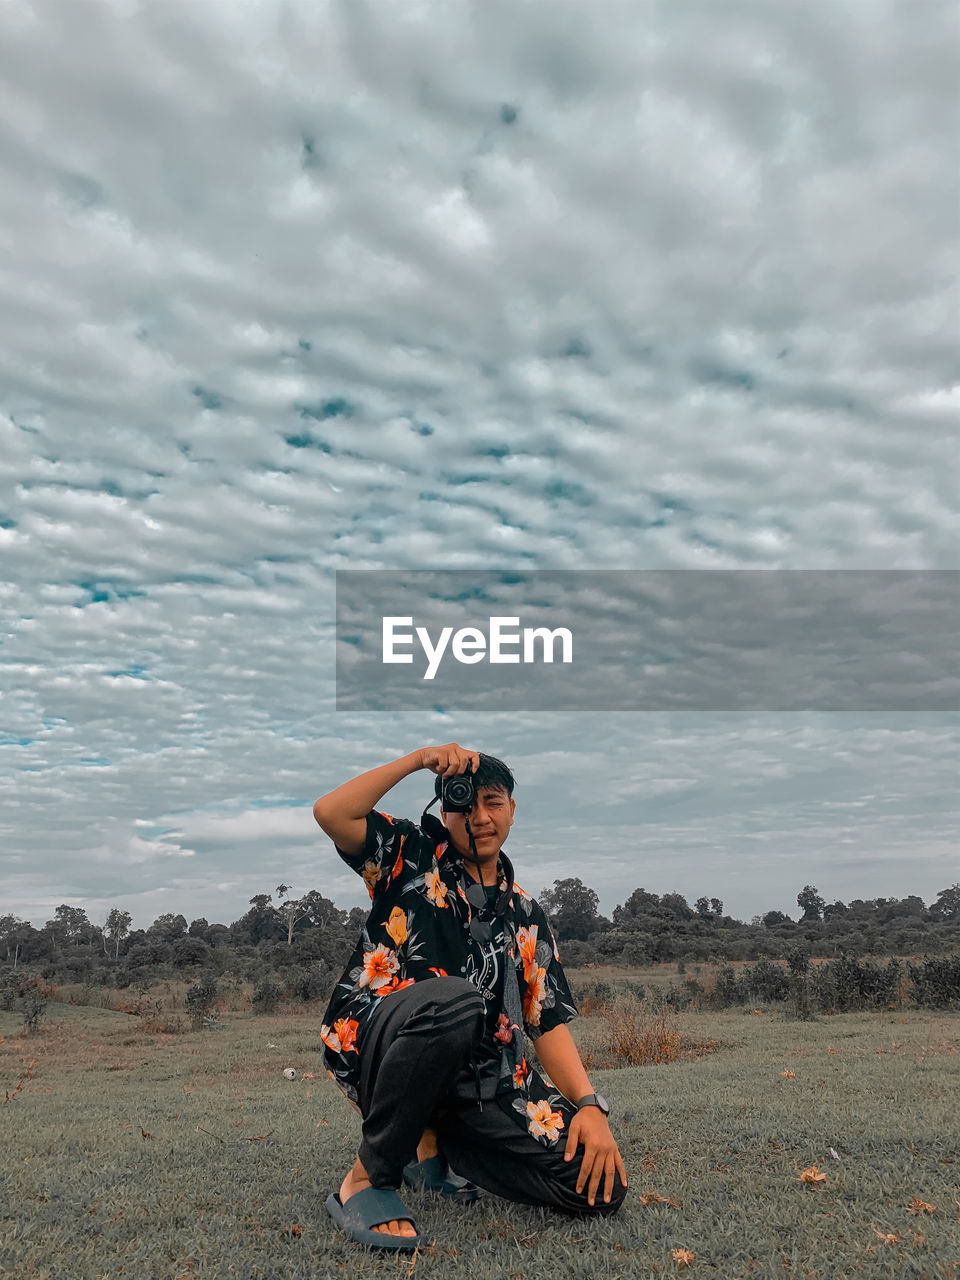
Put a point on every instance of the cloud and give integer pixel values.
(305, 287)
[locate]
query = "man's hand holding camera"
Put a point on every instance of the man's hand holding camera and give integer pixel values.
(450, 760)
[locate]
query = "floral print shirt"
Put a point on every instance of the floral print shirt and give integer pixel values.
(418, 930)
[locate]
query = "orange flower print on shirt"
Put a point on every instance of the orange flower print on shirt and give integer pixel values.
(394, 985)
(527, 942)
(436, 889)
(346, 1029)
(542, 1122)
(533, 997)
(521, 1073)
(379, 966)
(396, 926)
(371, 874)
(398, 865)
(342, 1036)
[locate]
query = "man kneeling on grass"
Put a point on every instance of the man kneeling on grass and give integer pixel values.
(423, 1031)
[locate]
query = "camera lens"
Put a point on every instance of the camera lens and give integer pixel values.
(458, 795)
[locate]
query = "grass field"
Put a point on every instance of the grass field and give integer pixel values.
(138, 1154)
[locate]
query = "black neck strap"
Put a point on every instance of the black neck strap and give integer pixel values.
(503, 899)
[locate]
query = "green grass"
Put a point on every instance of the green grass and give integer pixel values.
(231, 1180)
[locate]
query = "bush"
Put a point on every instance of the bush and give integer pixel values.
(266, 996)
(727, 990)
(11, 989)
(847, 983)
(576, 954)
(200, 999)
(632, 1037)
(33, 1007)
(766, 982)
(311, 984)
(936, 982)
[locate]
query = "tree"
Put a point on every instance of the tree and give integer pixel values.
(571, 907)
(69, 924)
(771, 918)
(702, 908)
(13, 930)
(640, 903)
(292, 911)
(810, 903)
(261, 923)
(675, 904)
(188, 950)
(947, 905)
(116, 928)
(716, 906)
(168, 927)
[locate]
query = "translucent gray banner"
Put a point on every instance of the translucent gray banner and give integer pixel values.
(625, 640)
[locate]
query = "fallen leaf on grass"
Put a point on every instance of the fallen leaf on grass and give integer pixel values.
(258, 1137)
(886, 1237)
(307, 1075)
(144, 1134)
(322, 1124)
(917, 1205)
(788, 1075)
(683, 1257)
(652, 1197)
(812, 1176)
(834, 1154)
(292, 1229)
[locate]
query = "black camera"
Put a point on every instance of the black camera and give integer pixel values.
(457, 794)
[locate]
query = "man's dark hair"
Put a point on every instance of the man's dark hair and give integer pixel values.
(493, 773)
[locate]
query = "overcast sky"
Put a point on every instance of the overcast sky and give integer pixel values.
(568, 284)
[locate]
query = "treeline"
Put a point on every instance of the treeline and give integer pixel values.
(306, 940)
(650, 928)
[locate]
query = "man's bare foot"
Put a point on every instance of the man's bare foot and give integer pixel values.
(427, 1146)
(357, 1180)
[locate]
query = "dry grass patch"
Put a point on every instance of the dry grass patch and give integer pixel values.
(627, 1034)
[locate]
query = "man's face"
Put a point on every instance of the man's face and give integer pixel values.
(490, 821)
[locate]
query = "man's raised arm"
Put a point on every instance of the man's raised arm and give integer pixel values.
(342, 813)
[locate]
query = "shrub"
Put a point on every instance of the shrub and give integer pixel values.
(799, 961)
(33, 1007)
(847, 983)
(634, 1037)
(11, 989)
(727, 990)
(766, 982)
(266, 996)
(577, 954)
(677, 998)
(311, 984)
(936, 982)
(200, 999)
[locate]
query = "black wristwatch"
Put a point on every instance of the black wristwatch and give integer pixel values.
(594, 1100)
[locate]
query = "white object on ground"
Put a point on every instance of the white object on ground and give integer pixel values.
(289, 1073)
